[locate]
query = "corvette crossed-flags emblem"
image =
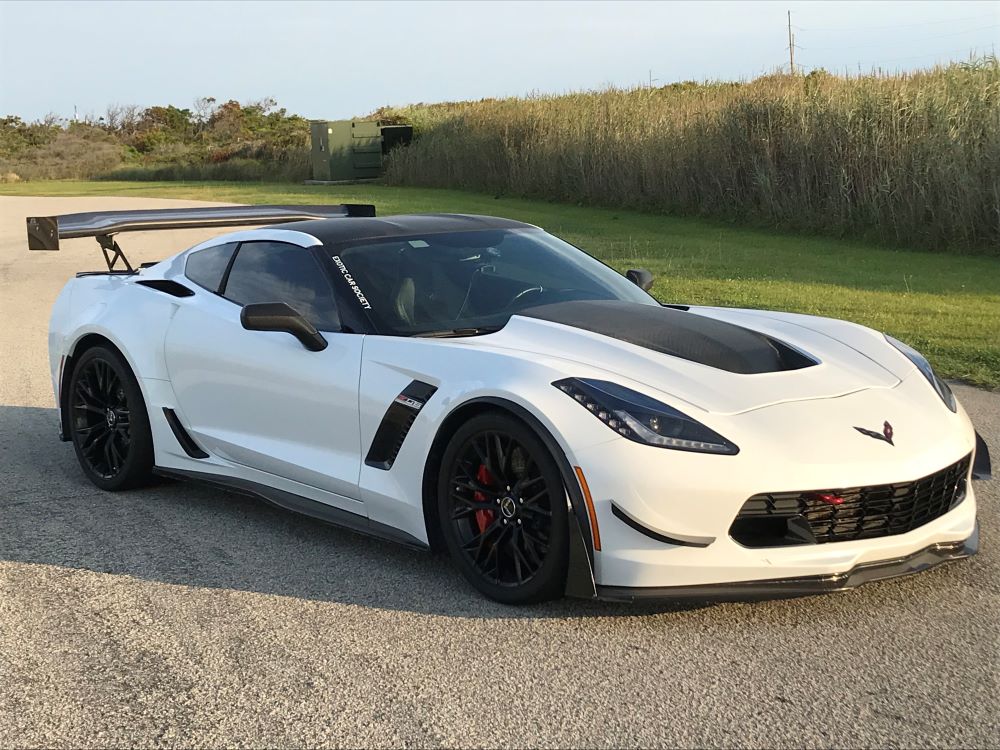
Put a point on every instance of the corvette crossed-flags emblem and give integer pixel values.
(885, 435)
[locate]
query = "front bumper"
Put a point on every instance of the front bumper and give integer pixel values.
(790, 447)
(781, 588)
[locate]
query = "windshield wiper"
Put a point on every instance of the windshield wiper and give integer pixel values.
(457, 332)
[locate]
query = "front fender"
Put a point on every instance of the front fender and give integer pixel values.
(465, 378)
(580, 572)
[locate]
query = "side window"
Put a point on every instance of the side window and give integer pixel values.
(279, 272)
(207, 267)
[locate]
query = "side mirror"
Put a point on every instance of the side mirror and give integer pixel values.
(640, 277)
(277, 316)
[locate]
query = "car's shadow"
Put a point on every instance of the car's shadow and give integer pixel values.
(187, 534)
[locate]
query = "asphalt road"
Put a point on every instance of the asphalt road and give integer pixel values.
(179, 615)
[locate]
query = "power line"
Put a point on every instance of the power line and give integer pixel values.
(881, 43)
(895, 25)
(966, 50)
(923, 56)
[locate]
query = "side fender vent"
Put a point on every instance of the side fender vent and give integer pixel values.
(396, 424)
(184, 440)
(167, 286)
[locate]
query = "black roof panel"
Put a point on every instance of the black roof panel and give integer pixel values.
(333, 231)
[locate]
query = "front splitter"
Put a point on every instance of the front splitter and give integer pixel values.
(783, 588)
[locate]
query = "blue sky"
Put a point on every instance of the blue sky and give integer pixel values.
(341, 59)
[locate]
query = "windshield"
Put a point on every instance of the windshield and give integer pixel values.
(471, 280)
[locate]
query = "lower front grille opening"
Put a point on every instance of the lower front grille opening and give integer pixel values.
(839, 515)
(772, 531)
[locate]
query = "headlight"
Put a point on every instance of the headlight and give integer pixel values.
(643, 419)
(925, 368)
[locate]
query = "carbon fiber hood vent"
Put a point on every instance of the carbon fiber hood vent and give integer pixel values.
(693, 337)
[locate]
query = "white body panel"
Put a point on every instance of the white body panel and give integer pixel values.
(267, 410)
(258, 398)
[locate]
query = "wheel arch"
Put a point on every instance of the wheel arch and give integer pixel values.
(87, 340)
(580, 573)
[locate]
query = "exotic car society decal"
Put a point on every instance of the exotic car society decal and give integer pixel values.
(352, 283)
(885, 435)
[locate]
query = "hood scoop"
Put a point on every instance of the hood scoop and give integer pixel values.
(696, 338)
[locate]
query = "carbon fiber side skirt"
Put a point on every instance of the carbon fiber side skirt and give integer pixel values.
(298, 504)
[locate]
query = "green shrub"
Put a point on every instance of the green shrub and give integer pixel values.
(230, 170)
(231, 141)
(78, 152)
(235, 170)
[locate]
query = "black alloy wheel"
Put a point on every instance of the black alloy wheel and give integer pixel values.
(503, 512)
(108, 421)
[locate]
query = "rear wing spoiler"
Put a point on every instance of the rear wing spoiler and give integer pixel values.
(44, 232)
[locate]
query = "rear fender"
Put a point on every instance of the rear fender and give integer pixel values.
(134, 318)
(131, 318)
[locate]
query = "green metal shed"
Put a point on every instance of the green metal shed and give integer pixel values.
(344, 150)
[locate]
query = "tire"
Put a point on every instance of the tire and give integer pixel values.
(510, 544)
(108, 421)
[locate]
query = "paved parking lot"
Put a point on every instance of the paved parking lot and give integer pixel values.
(180, 615)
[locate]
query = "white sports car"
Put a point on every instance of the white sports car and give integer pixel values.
(476, 385)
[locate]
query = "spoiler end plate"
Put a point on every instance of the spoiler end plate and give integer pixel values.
(43, 232)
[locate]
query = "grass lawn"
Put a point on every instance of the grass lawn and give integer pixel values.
(946, 306)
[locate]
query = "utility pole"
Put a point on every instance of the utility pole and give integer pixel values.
(791, 46)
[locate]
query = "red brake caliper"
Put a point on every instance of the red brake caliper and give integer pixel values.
(483, 517)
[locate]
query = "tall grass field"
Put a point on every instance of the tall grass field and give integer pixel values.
(910, 159)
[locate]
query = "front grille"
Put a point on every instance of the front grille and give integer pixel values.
(815, 517)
